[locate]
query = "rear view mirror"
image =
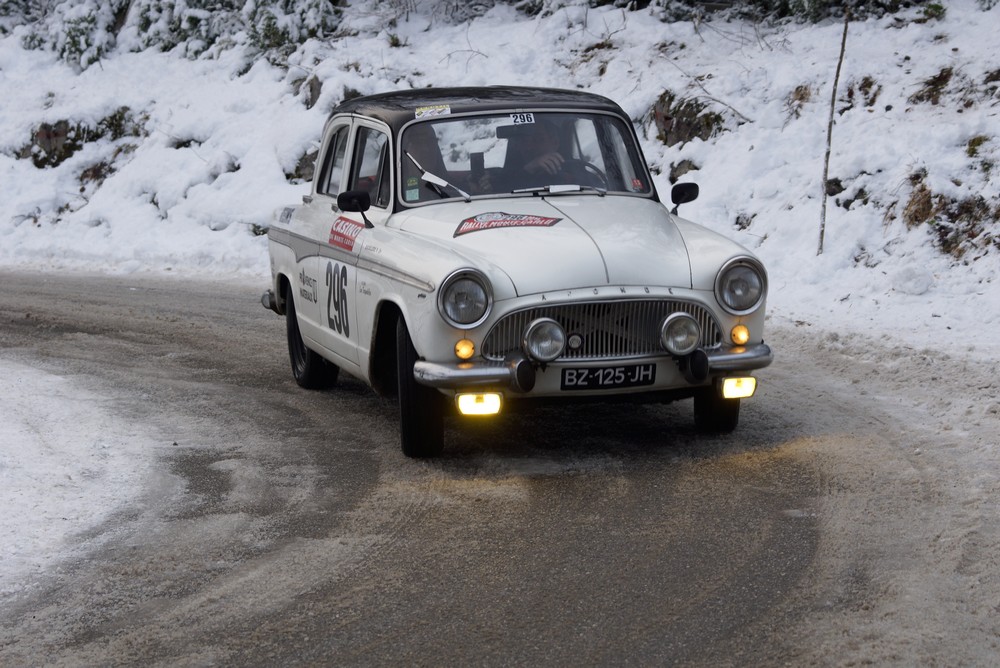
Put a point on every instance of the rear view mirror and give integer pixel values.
(682, 193)
(354, 200)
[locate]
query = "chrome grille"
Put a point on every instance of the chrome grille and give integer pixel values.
(610, 330)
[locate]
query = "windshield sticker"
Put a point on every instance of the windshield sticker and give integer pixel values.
(522, 119)
(344, 232)
(496, 220)
(434, 110)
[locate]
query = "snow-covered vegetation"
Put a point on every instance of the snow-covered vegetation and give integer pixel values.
(161, 135)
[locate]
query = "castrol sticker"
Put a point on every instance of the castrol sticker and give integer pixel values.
(497, 220)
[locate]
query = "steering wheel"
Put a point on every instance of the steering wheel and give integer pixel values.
(574, 166)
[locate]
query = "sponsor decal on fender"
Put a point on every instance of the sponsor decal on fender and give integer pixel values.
(498, 219)
(344, 232)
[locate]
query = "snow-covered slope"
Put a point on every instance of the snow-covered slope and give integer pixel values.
(188, 159)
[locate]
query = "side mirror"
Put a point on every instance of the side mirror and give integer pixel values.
(358, 200)
(682, 193)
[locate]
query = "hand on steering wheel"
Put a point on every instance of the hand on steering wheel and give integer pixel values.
(548, 163)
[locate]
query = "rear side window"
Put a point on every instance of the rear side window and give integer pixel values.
(370, 171)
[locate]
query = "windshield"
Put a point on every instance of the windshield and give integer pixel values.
(527, 151)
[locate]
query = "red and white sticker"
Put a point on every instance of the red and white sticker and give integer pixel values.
(344, 232)
(498, 219)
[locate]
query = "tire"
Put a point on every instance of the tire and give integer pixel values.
(309, 369)
(713, 414)
(421, 408)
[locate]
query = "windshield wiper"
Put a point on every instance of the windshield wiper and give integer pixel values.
(559, 189)
(436, 181)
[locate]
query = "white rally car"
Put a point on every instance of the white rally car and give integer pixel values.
(469, 248)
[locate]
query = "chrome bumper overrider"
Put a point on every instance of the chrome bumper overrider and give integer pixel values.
(519, 375)
(742, 358)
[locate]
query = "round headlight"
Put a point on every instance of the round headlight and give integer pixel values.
(740, 286)
(544, 340)
(465, 299)
(680, 333)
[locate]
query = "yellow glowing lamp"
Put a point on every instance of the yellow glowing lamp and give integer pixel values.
(465, 349)
(486, 403)
(739, 387)
(740, 335)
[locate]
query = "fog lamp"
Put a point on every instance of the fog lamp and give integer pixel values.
(738, 388)
(465, 349)
(543, 340)
(680, 333)
(740, 335)
(486, 403)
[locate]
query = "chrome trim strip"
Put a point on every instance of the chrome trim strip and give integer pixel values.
(395, 274)
(461, 375)
(342, 256)
(304, 247)
(300, 245)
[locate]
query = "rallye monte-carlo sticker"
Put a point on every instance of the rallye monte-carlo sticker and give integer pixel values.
(498, 219)
(344, 232)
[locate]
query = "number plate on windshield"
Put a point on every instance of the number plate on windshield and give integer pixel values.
(608, 377)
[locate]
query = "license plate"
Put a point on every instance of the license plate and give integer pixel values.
(608, 377)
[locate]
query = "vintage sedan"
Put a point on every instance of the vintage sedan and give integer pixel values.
(472, 248)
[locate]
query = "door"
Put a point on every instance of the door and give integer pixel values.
(311, 228)
(367, 168)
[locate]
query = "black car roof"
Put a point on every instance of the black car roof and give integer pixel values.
(399, 107)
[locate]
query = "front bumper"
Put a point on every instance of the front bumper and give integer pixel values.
(518, 374)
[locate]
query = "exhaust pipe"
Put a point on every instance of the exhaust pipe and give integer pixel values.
(268, 301)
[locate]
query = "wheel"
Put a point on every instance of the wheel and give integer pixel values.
(309, 369)
(713, 414)
(421, 408)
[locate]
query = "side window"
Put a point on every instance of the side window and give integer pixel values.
(624, 169)
(586, 145)
(370, 170)
(333, 170)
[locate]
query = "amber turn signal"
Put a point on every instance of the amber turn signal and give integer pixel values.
(740, 335)
(465, 349)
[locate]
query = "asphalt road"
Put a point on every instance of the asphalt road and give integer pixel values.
(285, 527)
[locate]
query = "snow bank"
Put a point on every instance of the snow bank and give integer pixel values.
(67, 462)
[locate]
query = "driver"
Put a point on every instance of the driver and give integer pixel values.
(533, 156)
(541, 151)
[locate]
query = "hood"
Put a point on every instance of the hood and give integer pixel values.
(563, 242)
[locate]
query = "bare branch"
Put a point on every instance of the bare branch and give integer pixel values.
(829, 134)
